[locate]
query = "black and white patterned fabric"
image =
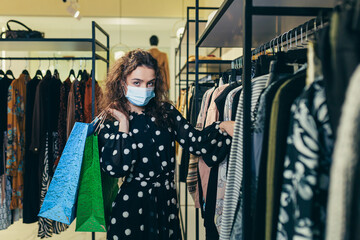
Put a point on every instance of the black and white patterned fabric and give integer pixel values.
(146, 206)
(304, 192)
(5, 199)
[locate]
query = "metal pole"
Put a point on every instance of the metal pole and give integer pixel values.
(247, 21)
(93, 84)
(187, 109)
(196, 85)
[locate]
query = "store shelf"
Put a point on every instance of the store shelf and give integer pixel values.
(225, 30)
(51, 44)
(206, 67)
(191, 32)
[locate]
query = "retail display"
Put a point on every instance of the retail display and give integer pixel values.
(275, 182)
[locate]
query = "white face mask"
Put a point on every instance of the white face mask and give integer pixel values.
(139, 96)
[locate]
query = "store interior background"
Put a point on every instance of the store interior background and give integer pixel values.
(130, 23)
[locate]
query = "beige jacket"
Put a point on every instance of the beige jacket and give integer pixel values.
(163, 64)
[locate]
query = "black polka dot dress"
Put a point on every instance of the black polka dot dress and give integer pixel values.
(146, 206)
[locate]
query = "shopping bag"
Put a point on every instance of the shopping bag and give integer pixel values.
(60, 199)
(95, 195)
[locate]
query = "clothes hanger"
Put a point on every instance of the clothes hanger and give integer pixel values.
(85, 74)
(2, 74)
(80, 71)
(48, 72)
(9, 73)
(56, 72)
(72, 72)
(38, 73)
(25, 71)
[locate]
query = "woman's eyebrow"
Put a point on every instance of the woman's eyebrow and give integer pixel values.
(137, 79)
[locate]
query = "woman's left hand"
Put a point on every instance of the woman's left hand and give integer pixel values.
(228, 126)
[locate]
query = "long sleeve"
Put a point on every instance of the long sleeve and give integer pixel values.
(211, 143)
(117, 155)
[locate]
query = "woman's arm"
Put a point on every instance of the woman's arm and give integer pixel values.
(212, 143)
(228, 127)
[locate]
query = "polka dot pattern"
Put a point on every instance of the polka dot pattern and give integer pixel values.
(142, 157)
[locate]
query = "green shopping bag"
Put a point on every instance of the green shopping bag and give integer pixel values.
(97, 191)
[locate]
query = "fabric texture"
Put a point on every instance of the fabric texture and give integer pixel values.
(16, 138)
(306, 168)
(70, 118)
(146, 206)
(88, 100)
(343, 169)
(234, 177)
(64, 95)
(5, 200)
(163, 64)
(31, 201)
(222, 171)
(4, 87)
(279, 125)
(48, 227)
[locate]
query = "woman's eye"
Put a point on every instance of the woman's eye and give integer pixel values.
(136, 83)
(151, 84)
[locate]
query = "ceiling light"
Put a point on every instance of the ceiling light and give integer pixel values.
(73, 10)
(180, 32)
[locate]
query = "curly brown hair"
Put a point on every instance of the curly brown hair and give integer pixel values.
(116, 80)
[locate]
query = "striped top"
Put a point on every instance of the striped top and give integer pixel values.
(235, 169)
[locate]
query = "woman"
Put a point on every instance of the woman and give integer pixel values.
(138, 144)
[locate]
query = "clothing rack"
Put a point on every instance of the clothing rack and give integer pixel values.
(182, 78)
(245, 12)
(64, 44)
(287, 39)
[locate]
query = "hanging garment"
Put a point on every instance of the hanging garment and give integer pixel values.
(234, 177)
(70, 115)
(260, 133)
(45, 139)
(343, 196)
(222, 172)
(5, 200)
(204, 171)
(208, 176)
(306, 169)
(279, 125)
(88, 100)
(163, 64)
(4, 87)
(15, 150)
(46, 226)
(194, 107)
(31, 202)
(192, 176)
(64, 96)
(79, 101)
(344, 58)
(148, 168)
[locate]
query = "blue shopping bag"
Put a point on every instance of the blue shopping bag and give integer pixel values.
(60, 200)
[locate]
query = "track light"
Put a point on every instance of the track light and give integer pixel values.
(73, 10)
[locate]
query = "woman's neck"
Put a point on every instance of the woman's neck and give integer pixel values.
(136, 109)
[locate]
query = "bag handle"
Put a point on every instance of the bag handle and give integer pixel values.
(20, 23)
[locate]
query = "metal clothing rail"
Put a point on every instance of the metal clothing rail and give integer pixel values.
(298, 35)
(248, 12)
(67, 44)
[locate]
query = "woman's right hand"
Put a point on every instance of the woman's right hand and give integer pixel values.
(121, 117)
(118, 115)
